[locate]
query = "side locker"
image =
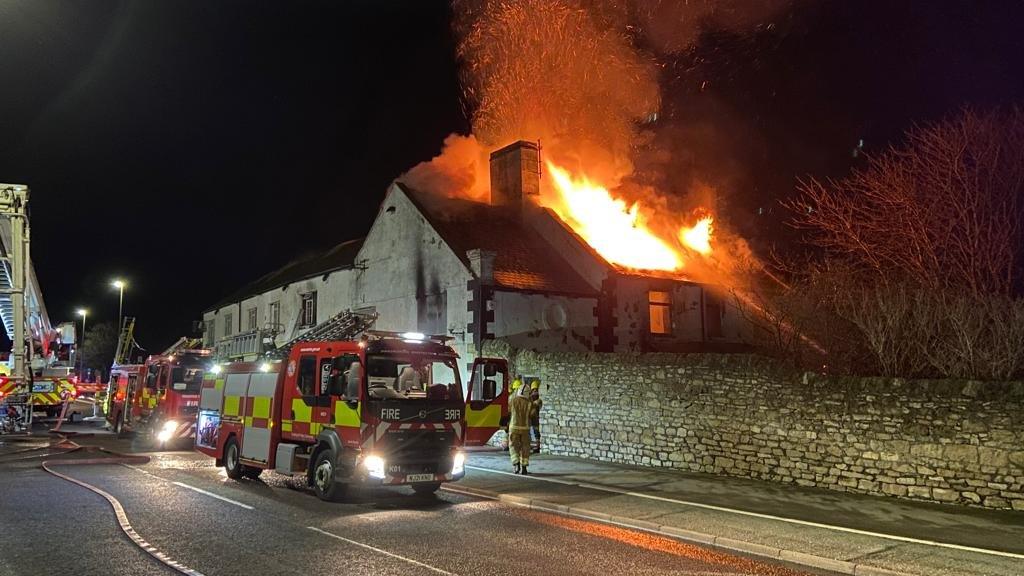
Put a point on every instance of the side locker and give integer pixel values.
(259, 407)
(235, 386)
(487, 400)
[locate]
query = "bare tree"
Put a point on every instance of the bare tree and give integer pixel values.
(922, 249)
(943, 210)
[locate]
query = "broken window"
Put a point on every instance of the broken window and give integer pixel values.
(660, 304)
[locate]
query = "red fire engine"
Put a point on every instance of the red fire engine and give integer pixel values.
(162, 393)
(388, 410)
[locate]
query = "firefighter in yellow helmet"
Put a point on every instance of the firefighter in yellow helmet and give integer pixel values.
(535, 405)
(519, 429)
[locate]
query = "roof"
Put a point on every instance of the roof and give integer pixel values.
(320, 263)
(523, 261)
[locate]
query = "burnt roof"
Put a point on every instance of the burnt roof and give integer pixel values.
(339, 257)
(523, 261)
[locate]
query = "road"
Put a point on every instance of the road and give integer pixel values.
(188, 510)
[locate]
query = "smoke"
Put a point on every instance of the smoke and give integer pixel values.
(671, 26)
(587, 79)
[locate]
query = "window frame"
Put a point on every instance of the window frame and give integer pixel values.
(252, 320)
(664, 308)
(307, 315)
(228, 321)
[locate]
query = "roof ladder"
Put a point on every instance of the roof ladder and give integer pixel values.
(345, 325)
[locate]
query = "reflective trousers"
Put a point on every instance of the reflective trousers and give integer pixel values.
(519, 446)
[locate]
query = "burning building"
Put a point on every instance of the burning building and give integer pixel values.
(511, 268)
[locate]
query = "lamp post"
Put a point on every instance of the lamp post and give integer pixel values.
(81, 362)
(119, 284)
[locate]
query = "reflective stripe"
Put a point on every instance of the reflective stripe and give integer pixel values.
(261, 407)
(231, 405)
(345, 415)
(303, 413)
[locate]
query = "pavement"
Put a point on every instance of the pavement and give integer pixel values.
(844, 533)
(188, 511)
(570, 516)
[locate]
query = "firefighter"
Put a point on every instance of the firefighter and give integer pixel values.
(519, 430)
(535, 405)
(503, 423)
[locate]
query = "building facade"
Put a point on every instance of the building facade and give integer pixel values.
(507, 269)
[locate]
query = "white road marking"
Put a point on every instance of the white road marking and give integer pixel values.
(212, 495)
(384, 552)
(759, 515)
(190, 487)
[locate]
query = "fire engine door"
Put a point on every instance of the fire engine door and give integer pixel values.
(133, 380)
(337, 402)
(486, 400)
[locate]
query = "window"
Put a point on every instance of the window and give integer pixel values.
(227, 324)
(487, 382)
(307, 375)
(660, 304)
(308, 312)
(274, 315)
(211, 332)
(343, 380)
(251, 320)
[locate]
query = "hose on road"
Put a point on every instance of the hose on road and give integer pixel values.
(119, 512)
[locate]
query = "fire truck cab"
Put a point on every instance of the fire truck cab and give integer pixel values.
(160, 396)
(390, 410)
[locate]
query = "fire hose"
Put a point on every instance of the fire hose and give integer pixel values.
(119, 512)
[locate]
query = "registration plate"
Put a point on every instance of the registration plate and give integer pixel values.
(419, 477)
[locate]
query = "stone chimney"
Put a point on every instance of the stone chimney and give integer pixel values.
(481, 262)
(515, 174)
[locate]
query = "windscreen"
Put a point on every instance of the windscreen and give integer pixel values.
(188, 376)
(414, 377)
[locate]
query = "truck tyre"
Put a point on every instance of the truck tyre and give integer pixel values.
(232, 466)
(324, 471)
(426, 488)
(251, 472)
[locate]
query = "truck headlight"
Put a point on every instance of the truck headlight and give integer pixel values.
(374, 466)
(458, 463)
(170, 426)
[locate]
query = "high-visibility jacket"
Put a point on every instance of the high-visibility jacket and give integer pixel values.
(519, 413)
(535, 406)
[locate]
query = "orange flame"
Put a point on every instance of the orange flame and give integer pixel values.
(620, 232)
(699, 236)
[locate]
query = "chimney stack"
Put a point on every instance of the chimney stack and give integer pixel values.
(515, 174)
(481, 262)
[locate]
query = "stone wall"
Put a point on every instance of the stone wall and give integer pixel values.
(943, 441)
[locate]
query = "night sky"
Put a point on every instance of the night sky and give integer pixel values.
(189, 147)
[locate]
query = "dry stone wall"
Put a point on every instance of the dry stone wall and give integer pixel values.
(943, 441)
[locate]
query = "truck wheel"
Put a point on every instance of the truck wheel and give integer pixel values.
(324, 471)
(231, 464)
(426, 488)
(251, 472)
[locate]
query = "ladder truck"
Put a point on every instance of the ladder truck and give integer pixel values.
(160, 396)
(340, 410)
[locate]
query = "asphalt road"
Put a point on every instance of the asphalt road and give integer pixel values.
(190, 511)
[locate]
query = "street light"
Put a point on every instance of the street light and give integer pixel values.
(81, 363)
(119, 284)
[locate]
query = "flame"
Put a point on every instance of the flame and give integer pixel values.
(619, 231)
(699, 236)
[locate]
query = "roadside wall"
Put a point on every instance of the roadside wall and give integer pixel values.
(943, 441)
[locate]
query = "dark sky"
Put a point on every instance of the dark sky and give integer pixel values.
(192, 146)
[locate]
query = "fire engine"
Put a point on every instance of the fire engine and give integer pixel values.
(387, 409)
(161, 395)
